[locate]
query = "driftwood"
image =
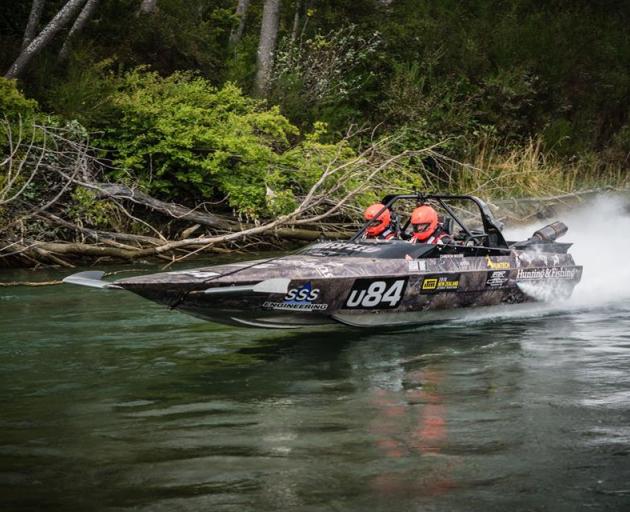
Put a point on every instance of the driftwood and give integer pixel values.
(30, 283)
(35, 230)
(179, 212)
(63, 163)
(176, 211)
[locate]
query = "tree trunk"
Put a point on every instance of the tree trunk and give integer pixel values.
(61, 19)
(266, 46)
(241, 12)
(148, 7)
(33, 22)
(79, 23)
(296, 20)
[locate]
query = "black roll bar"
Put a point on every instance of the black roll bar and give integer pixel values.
(490, 225)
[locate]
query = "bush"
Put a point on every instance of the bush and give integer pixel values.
(13, 104)
(185, 139)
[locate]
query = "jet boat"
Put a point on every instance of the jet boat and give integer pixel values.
(365, 282)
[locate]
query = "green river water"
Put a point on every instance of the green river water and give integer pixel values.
(109, 402)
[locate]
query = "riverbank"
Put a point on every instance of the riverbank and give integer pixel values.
(168, 185)
(102, 248)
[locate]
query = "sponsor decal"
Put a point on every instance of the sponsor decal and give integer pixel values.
(342, 247)
(298, 299)
(497, 278)
(417, 266)
(497, 265)
(439, 283)
(371, 294)
(537, 274)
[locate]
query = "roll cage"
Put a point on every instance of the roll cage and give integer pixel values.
(491, 236)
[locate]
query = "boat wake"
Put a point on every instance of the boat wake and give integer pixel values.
(599, 231)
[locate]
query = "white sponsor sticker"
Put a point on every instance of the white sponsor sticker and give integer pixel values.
(298, 299)
(537, 274)
(341, 246)
(370, 294)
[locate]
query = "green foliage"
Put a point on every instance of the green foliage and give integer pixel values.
(181, 137)
(241, 65)
(85, 209)
(427, 110)
(325, 69)
(469, 75)
(13, 103)
(83, 92)
(17, 114)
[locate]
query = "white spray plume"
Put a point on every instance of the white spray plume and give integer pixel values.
(600, 233)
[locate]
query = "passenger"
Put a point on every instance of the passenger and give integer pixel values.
(380, 227)
(426, 229)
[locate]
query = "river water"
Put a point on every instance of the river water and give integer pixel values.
(109, 402)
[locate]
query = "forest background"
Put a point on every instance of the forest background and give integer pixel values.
(137, 128)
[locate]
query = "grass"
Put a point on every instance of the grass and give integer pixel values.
(526, 171)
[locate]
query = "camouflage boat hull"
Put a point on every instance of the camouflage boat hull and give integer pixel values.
(370, 283)
(359, 290)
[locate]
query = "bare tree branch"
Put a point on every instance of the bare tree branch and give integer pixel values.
(78, 25)
(33, 22)
(241, 13)
(61, 19)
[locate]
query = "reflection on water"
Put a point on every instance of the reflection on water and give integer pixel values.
(112, 403)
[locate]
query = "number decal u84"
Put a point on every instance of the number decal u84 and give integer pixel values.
(371, 294)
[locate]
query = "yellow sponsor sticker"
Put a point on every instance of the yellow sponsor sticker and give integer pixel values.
(497, 265)
(430, 283)
(439, 283)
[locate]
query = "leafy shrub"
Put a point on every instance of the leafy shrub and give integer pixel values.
(181, 137)
(13, 104)
(84, 208)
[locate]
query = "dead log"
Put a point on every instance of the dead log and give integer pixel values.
(97, 234)
(30, 283)
(179, 212)
(117, 191)
(81, 249)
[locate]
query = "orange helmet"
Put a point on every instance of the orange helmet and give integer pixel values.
(424, 221)
(378, 225)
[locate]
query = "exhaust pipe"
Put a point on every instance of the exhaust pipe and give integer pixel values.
(550, 232)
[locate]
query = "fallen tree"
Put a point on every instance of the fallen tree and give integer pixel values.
(58, 163)
(44, 170)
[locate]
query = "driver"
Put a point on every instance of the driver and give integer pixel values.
(380, 227)
(426, 229)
